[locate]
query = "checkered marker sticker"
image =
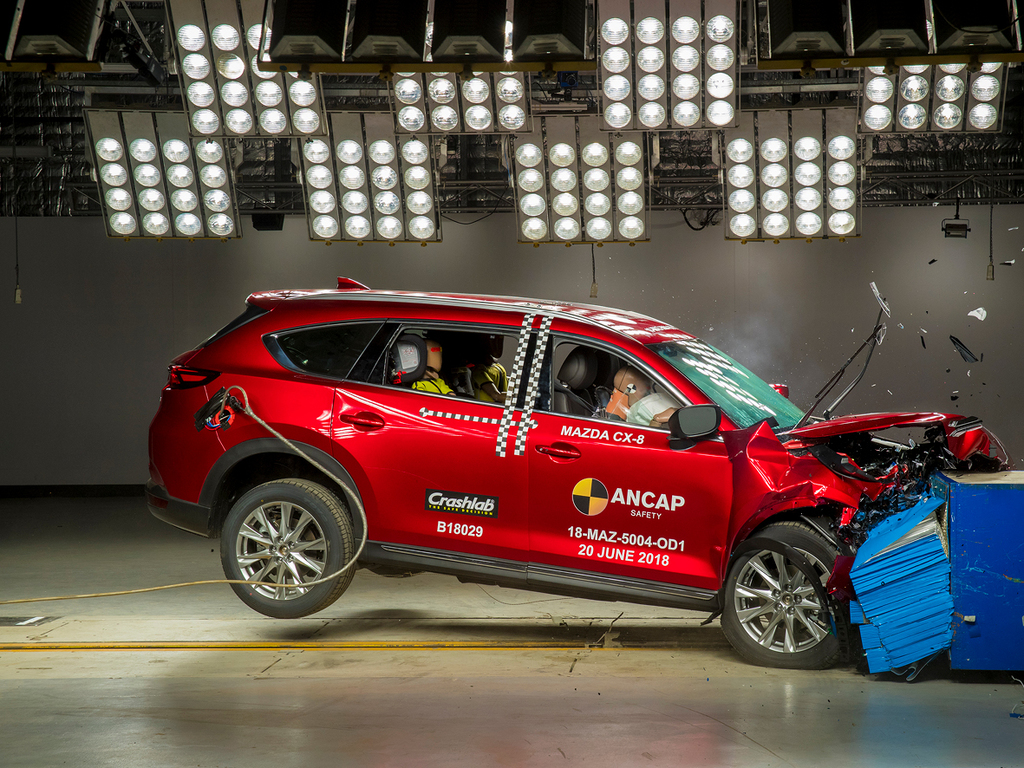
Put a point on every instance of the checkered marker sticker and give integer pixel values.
(425, 412)
(513, 389)
(531, 385)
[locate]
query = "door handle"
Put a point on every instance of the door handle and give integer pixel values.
(363, 419)
(559, 451)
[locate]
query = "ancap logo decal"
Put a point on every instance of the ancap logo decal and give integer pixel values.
(590, 496)
(460, 503)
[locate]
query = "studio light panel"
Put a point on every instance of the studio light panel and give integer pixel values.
(477, 102)
(365, 182)
(226, 94)
(946, 98)
(578, 184)
(157, 181)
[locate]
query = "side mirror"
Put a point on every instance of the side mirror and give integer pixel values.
(693, 422)
(782, 389)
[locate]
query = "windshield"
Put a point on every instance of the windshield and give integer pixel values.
(742, 396)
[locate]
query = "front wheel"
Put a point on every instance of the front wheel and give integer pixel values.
(772, 614)
(287, 534)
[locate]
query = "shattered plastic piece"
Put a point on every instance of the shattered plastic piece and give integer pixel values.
(933, 261)
(900, 325)
(954, 397)
(1012, 228)
(889, 391)
(965, 353)
(1009, 263)
(922, 342)
(968, 371)
(881, 301)
(923, 331)
(981, 313)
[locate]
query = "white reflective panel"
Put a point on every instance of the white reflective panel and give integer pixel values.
(629, 178)
(213, 176)
(186, 200)
(253, 35)
(476, 90)
(912, 116)
(221, 224)
(225, 37)
(302, 93)
(720, 85)
(739, 150)
(421, 227)
(631, 228)
(269, 93)
(156, 223)
(417, 177)
(109, 149)
(597, 204)
(319, 176)
(775, 224)
(914, 88)
(562, 155)
(617, 115)
(532, 205)
(419, 203)
(686, 113)
(254, 67)
(720, 113)
(947, 116)
(841, 198)
(915, 69)
(615, 59)
(950, 88)
(650, 59)
(685, 58)
(616, 87)
(325, 226)
(595, 154)
(629, 203)
(985, 88)
(388, 202)
(614, 31)
(528, 155)
(214, 199)
(741, 176)
(741, 200)
(180, 176)
(478, 117)
(188, 224)
(685, 29)
(808, 223)
(807, 148)
(775, 200)
(773, 149)
(567, 229)
(512, 117)
(122, 223)
(807, 173)
(273, 121)
(349, 152)
(720, 57)
(651, 114)
(841, 173)
(441, 90)
(685, 87)
(196, 66)
(357, 227)
(316, 151)
(877, 117)
(650, 30)
(176, 150)
(564, 180)
(565, 204)
(147, 175)
(841, 148)
(234, 94)
(444, 118)
(982, 116)
(596, 179)
(382, 152)
(720, 28)
(238, 121)
(118, 199)
(305, 120)
(628, 153)
(389, 227)
(411, 118)
(143, 150)
(354, 201)
(230, 66)
(408, 91)
(743, 225)
(191, 37)
(598, 228)
(879, 90)
(414, 151)
(535, 229)
(384, 177)
(774, 175)
(841, 223)
(509, 90)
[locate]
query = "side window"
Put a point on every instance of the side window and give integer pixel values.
(327, 350)
(594, 383)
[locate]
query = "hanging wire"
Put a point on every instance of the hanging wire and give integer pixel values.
(991, 273)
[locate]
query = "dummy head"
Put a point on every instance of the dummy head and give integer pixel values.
(433, 359)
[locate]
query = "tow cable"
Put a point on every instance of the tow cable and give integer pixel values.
(216, 420)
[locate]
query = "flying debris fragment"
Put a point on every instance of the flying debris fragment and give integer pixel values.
(1009, 263)
(979, 313)
(933, 261)
(922, 342)
(965, 353)
(881, 301)
(1012, 228)
(923, 331)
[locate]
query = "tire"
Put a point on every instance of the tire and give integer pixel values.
(773, 622)
(320, 541)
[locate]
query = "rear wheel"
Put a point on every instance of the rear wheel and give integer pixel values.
(772, 613)
(287, 533)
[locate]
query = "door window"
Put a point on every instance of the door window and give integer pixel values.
(324, 350)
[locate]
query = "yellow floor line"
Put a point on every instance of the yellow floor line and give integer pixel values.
(311, 645)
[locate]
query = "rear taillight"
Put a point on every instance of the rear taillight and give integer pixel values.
(183, 377)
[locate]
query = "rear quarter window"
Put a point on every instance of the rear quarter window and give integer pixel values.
(250, 313)
(326, 350)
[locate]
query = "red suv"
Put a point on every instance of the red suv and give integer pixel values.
(562, 448)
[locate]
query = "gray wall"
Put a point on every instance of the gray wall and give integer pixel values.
(86, 352)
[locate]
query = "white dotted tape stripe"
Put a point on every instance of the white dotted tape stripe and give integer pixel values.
(532, 383)
(513, 389)
(425, 412)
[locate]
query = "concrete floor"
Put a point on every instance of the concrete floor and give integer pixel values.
(418, 672)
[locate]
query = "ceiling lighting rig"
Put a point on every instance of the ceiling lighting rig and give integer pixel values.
(475, 102)
(156, 180)
(578, 184)
(365, 182)
(226, 92)
(661, 72)
(792, 175)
